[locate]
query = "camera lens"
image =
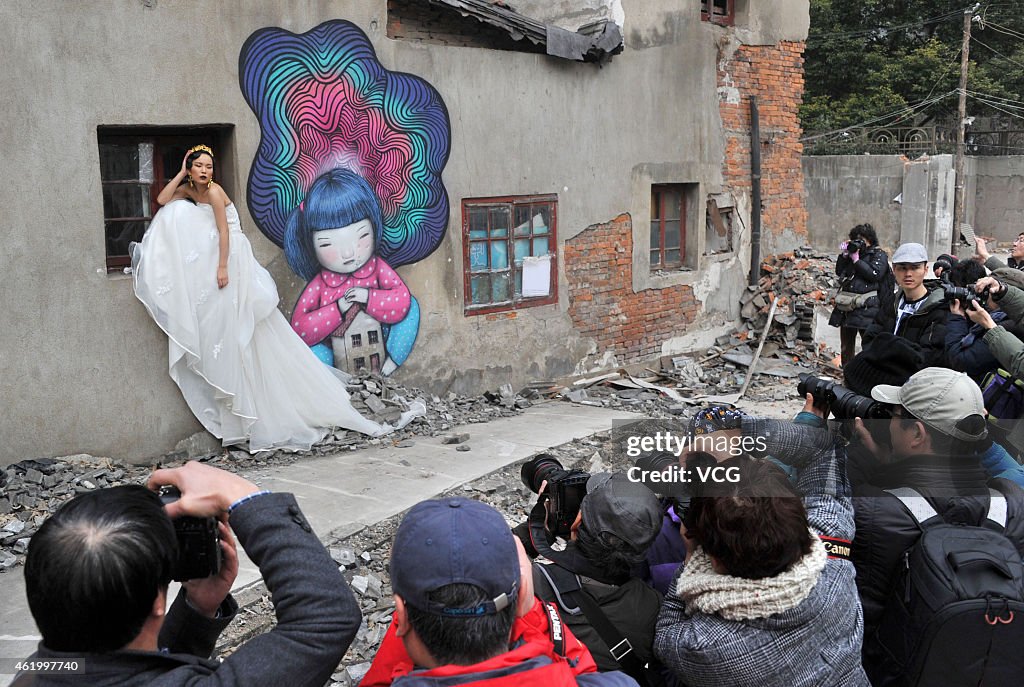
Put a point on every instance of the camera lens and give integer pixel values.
(538, 470)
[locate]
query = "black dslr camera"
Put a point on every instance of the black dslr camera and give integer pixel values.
(965, 294)
(856, 245)
(199, 553)
(845, 405)
(565, 491)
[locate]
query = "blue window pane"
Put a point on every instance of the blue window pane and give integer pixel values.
(542, 220)
(477, 256)
(481, 288)
(519, 282)
(499, 222)
(522, 249)
(478, 223)
(499, 283)
(540, 246)
(499, 255)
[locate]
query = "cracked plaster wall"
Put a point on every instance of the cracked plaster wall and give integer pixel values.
(87, 365)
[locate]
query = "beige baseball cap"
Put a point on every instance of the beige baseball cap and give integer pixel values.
(939, 397)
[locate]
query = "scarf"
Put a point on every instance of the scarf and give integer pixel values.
(737, 598)
(975, 329)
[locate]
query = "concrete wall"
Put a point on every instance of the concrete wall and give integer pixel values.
(845, 190)
(998, 193)
(903, 200)
(84, 368)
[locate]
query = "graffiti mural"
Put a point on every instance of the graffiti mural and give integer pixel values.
(347, 179)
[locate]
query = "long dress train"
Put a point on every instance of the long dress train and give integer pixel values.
(240, 366)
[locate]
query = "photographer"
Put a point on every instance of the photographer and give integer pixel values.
(1015, 261)
(765, 596)
(1007, 348)
(595, 580)
(966, 350)
(98, 570)
(864, 274)
(936, 436)
(919, 313)
(457, 572)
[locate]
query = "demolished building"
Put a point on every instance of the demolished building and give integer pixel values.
(600, 185)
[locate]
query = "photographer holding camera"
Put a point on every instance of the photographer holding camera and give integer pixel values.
(609, 522)
(767, 594)
(932, 474)
(866, 281)
(966, 350)
(919, 312)
(98, 570)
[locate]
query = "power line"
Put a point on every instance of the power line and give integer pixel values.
(998, 28)
(996, 107)
(1008, 59)
(895, 27)
(1005, 102)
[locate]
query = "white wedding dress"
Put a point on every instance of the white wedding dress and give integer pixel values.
(243, 371)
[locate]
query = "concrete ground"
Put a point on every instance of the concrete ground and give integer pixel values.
(341, 493)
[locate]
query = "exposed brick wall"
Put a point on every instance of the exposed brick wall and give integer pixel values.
(419, 20)
(602, 303)
(775, 75)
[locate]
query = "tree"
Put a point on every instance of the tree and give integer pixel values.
(897, 62)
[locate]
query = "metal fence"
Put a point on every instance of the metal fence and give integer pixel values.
(912, 141)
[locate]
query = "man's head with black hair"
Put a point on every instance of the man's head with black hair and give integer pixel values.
(966, 272)
(96, 568)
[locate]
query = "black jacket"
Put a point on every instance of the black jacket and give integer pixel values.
(926, 328)
(317, 618)
(958, 490)
(631, 607)
(864, 276)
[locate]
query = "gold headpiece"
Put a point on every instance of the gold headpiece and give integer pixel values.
(201, 149)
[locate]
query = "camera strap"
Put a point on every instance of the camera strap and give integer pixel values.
(556, 628)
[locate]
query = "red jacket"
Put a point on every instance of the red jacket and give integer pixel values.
(531, 638)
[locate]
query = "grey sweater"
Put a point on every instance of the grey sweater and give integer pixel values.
(818, 642)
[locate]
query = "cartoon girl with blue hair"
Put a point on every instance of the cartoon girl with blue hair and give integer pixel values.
(331, 241)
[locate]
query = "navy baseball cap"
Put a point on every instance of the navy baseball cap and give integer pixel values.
(454, 541)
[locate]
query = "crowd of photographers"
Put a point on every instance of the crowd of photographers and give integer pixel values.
(876, 538)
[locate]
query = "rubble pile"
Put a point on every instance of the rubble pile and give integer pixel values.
(32, 489)
(801, 281)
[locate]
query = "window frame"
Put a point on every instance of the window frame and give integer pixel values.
(708, 13)
(657, 191)
(164, 140)
(516, 302)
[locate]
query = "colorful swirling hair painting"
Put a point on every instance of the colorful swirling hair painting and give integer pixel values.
(323, 102)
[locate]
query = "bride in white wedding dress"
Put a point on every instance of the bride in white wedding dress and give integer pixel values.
(240, 366)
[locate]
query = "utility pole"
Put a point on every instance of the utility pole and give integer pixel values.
(961, 183)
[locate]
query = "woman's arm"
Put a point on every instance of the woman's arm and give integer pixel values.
(171, 190)
(218, 200)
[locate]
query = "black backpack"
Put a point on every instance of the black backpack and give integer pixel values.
(956, 614)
